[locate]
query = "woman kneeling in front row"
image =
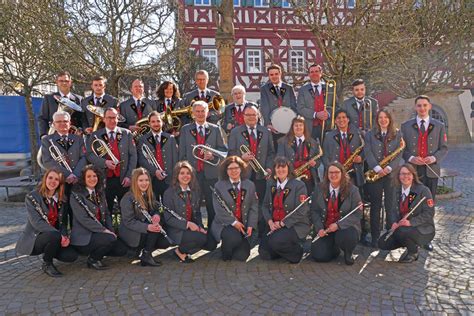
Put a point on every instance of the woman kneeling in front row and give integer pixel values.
(92, 232)
(418, 228)
(46, 230)
(334, 199)
(183, 215)
(140, 225)
(285, 235)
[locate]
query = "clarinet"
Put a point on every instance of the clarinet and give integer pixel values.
(85, 207)
(175, 215)
(225, 206)
(38, 208)
(150, 220)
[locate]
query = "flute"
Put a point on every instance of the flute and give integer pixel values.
(292, 212)
(391, 231)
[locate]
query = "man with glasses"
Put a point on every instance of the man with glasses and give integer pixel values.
(121, 145)
(200, 132)
(99, 99)
(234, 112)
(50, 103)
(259, 141)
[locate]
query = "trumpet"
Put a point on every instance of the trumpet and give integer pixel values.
(203, 148)
(103, 149)
(56, 155)
(151, 159)
(256, 166)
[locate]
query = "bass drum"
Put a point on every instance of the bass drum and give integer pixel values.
(281, 119)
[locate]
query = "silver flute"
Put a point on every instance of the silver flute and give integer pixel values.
(391, 231)
(292, 212)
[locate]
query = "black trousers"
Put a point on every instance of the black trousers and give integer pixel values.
(152, 241)
(234, 244)
(113, 188)
(316, 131)
(375, 191)
(192, 242)
(328, 248)
(67, 206)
(49, 244)
(283, 243)
(431, 183)
(103, 244)
(206, 192)
(406, 236)
(260, 188)
(159, 187)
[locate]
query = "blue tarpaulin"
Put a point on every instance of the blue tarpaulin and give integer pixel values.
(14, 135)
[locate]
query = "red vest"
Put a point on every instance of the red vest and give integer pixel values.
(422, 144)
(158, 155)
(318, 107)
(53, 213)
(278, 208)
(239, 116)
(404, 206)
(238, 206)
(115, 150)
(189, 208)
(301, 157)
(344, 151)
(333, 214)
(201, 140)
(253, 144)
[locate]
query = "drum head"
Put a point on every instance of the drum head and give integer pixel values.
(281, 119)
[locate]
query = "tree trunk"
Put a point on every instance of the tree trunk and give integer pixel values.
(32, 134)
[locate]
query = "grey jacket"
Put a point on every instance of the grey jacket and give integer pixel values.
(108, 101)
(169, 153)
(188, 138)
(193, 95)
(249, 206)
(133, 223)
(83, 224)
(305, 105)
(50, 106)
(422, 218)
(265, 150)
(174, 199)
(230, 112)
(350, 105)
(128, 109)
(319, 210)
(269, 99)
(36, 224)
(128, 151)
(293, 192)
(437, 143)
(74, 150)
(374, 148)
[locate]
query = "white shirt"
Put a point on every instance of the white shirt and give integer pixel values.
(406, 191)
(427, 122)
(238, 185)
(157, 134)
(69, 95)
(300, 138)
(91, 191)
(115, 130)
(359, 103)
(317, 86)
(331, 188)
(185, 189)
(282, 185)
(254, 130)
(100, 97)
(135, 99)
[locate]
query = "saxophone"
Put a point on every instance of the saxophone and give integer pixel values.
(350, 161)
(372, 176)
(299, 172)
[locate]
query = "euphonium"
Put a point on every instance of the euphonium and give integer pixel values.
(350, 161)
(299, 172)
(143, 127)
(220, 154)
(372, 176)
(254, 163)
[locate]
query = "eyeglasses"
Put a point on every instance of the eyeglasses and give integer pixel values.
(405, 173)
(334, 172)
(111, 117)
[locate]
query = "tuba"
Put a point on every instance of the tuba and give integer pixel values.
(65, 105)
(98, 115)
(372, 176)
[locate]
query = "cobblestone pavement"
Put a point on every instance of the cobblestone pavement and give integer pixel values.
(439, 282)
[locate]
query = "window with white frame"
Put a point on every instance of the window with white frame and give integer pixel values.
(236, 3)
(202, 2)
(285, 4)
(210, 54)
(254, 61)
(262, 3)
(351, 4)
(297, 58)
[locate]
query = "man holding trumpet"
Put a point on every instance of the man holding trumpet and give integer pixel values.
(113, 149)
(201, 144)
(158, 153)
(254, 144)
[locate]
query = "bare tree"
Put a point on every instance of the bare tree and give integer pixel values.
(25, 48)
(115, 38)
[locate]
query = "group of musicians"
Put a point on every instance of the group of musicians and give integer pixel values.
(256, 182)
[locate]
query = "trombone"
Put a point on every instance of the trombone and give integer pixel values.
(202, 148)
(367, 106)
(330, 89)
(151, 159)
(256, 166)
(103, 149)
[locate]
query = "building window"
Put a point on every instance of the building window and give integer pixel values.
(254, 61)
(285, 4)
(202, 2)
(297, 61)
(210, 54)
(262, 3)
(351, 4)
(236, 3)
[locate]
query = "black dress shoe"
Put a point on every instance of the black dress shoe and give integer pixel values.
(51, 270)
(428, 247)
(95, 264)
(410, 257)
(348, 258)
(146, 259)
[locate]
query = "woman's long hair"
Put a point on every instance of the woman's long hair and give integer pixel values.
(99, 187)
(147, 199)
(411, 168)
(160, 92)
(43, 190)
(193, 184)
(290, 137)
(391, 130)
(345, 181)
